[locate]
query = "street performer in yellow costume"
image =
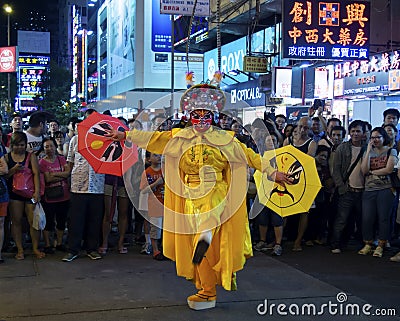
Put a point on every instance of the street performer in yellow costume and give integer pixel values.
(205, 230)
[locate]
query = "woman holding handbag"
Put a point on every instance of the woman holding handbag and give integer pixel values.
(56, 194)
(18, 161)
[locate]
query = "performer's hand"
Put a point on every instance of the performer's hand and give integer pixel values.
(115, 135)
(281, 178)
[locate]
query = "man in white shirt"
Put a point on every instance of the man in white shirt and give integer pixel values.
(86, 205)
(36, 131)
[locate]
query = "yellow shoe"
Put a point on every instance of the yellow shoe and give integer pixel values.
(200, 301)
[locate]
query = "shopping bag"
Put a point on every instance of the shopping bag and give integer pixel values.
(39, 217)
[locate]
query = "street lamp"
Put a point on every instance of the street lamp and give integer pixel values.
(8, 11)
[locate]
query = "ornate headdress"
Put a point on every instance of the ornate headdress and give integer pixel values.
(204, 96)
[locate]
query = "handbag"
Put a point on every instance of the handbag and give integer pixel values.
(23, 184)
(56, 191)
(394, 178)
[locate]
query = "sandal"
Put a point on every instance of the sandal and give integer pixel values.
(102, 250)
(123, 250)
(20, 256)
(40, 255)
(297, 249)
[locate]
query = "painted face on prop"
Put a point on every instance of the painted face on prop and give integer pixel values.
(201, 119)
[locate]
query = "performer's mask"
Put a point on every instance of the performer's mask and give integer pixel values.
(201, 119)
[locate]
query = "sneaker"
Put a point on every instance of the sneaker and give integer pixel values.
(336, 251)
(277, 250)
(378, 251)
(69, 257)
(365, 250)
(94, 255)
(146, 249)
(395, 258)
(261, 246)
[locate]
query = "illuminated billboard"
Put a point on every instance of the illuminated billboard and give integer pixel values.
(181, 28)
(121, 44)
(31, 70)
(377, 75)
(184, 7)
(157, 59)
(326, 29)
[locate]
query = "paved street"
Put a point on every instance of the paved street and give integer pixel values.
(136, 287)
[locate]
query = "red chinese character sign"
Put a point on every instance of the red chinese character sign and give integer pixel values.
(8, 59)
(326, 30)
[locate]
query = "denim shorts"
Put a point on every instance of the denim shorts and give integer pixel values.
(269, 216)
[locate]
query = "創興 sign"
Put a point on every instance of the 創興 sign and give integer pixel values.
(326, 30)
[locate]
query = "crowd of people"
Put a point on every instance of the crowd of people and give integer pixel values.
(357, 199)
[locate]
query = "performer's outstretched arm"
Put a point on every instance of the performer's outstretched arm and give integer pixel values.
(152, 141)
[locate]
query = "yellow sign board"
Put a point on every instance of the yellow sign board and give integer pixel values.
(255, 64)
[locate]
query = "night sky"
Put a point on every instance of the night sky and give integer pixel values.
(20, 14)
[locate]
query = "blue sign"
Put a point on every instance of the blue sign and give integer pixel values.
(231, 59)
(248, 92)
(160, 29)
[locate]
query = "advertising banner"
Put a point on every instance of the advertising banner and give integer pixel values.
(293, 114)
(283, 82)
(34, 42)
(379, 74)
(326, 30)
(8, 59)
(248, 92)
(185, 7)
(121, 41)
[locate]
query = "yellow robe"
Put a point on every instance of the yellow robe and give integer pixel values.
(206, 184)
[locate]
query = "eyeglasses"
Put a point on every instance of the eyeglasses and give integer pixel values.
(376, 137)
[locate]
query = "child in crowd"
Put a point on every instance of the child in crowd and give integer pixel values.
(316, 232)
(152, 184)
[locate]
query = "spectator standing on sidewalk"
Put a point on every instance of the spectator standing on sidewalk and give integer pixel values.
(4, 198)
(377, 163)
(349, 182)
(391, 116)
(152, 184)
(16, 126)
(86, 205)
(19, 205)
(36, 131)
(307, 145)
(268, 217)
(56, 171)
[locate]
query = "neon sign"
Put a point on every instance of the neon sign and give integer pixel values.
(30, 81)
(326, 30)
(378, 74)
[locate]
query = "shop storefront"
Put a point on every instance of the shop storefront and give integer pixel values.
(369, 87)
(248, 101)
